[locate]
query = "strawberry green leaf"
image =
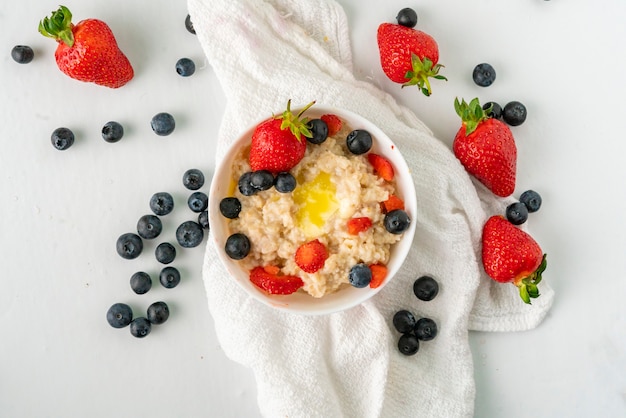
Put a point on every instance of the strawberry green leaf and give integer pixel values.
(58, 26)
(295, 124)
(471, 114)
(421, 71)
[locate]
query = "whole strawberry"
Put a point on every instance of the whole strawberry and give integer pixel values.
(510, 255)
(88, 50)
(277, 143)
(486, 148)
(408, 56)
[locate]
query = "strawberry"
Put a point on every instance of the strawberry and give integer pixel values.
(311, 256)
(510, 255)
(275, 284)
(486, 148)
(381, 166)
(356, 225)
(408, 56)
(277, 144)
(333, 122)
(88, 50)
(393, 202)
(379, 273)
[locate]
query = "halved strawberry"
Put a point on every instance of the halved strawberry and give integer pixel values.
(356, 225)
(381, 165)
(392, 203)
(333, 122)
(311, 256)
(379, 273)
(275, 284)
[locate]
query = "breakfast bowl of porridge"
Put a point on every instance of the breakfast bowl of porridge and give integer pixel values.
(312, 210)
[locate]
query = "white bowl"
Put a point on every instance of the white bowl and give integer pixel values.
(301, 302)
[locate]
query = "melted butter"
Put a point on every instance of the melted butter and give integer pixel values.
(316, 202)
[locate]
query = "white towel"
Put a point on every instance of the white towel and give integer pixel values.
(347, 364)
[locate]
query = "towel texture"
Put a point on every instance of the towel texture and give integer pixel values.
(347, 364)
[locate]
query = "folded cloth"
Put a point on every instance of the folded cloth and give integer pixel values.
(347, 364)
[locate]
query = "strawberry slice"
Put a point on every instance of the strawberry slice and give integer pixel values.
(392, 203)
(311, 256)
(381, 165)
(356, 225)
(333, 122)
(379, 273)
(275, 284)
(269, 269)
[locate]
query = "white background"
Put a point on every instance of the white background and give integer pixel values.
(63, 211)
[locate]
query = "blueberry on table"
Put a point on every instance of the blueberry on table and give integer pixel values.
(425, 329)
(284, 182)
(129, 246)
(112, 131)
(531, 199)
(149, 226)
(62, 138)
(158, 313)
(407, 17)
(189, 25)
(193, 179)
(493, 110)
(163, 124)
(484, 75)
(237, 246)
(408, 344)
(203, 219)
(119, 315)
(198, 202)
(230, 207)
(22, 54)
(359, 141)
(161, 203)
(140, 327)
(169, 277)
(189, 234)
(360, 275)
(514, 113)
(425, 288)
(165, 253)
(404, 321)
(517, 213)
(140, 282)
(397, 221)
(319, 131)
(185, 67)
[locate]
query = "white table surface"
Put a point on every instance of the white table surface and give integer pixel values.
(63, 211)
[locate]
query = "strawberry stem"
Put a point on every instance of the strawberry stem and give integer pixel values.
(297, 126)
(58, 26)
(528, 286)
(421, 71)
(471, 114)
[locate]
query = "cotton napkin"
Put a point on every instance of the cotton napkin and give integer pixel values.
(347, 364)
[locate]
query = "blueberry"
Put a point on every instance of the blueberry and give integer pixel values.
(484, 75)
(140, 327)
(165, 253)
(514, 113)
(531, 199)
(425, 288)
(198, 202)
(285, 182)
(397, 221)
(203, 219)
(517, 213)
(407, 17)
(189, 234)
(62, 138)
(261, 180)
(319, 130)
(189, 25)
(140, 282)
(359, 141)
(185, 67)
(158, 313)
(169, 277)
(112, 131)
(360, 275)
(230, 207)
(425, 329)
(408, 344)
(245, 186)
(404, 321)
(495, 112)
(149, 226)
(129, 246)
(163, 124)
(237, 246)
(22, 54)
(161, 203)
(193, 179)
(119, 315)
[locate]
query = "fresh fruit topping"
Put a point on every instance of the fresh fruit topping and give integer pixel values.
(284, 182)
(393, 202)
(425, 288)
(198, 202)
(140, 282)
(379, 274)
(316, 201)
(493, 110)
(381, 166)
(203, 219)
(484, 75)
(510, 255)
(514, 113)
(359, 141)
(333, 122)
(189, 234)
(87, 51)
(189, 25)
(360, 224)
(277, 144)
(275, 284)
(230, 207)
(158, 313)
(119, 315)
(244, 184)
(404, 321)
(408, 56)
(140, 327)
(407, 17)
(169, 277)
(149, 226)
(531, 199)
(185, 67)
(165, 253)
(486, 148)
(163, 124)
(397, 221)
(271, 269)
(161, 203)
(112, 131)
(237, 246)
(408, 344)
(22, 54)
(193, 179)
(517, 213)
(62, 138)
(311, 256)
(360, 275)
(129, 246)
(262, 180)
(425, 329)
(319, 131)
